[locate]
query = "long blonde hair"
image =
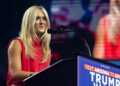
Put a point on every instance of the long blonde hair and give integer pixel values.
(27, 33)
(114, 25)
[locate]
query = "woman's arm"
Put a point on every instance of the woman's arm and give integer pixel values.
(98, 51)
(15, 64)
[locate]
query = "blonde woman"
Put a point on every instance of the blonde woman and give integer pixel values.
(30, 52)
(107, 44)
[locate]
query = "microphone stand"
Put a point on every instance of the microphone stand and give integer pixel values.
(81, 40)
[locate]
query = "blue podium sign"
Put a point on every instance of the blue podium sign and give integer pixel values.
(96, 73)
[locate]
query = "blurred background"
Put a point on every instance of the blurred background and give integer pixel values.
(81, 15)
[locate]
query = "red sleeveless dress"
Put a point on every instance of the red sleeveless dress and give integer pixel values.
(29, 64)
(112, 51)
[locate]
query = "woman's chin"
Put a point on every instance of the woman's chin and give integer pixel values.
(40, 32)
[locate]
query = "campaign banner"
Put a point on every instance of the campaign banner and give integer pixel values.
(96, 73)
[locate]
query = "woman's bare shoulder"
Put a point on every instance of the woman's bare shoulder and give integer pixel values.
(14, 45)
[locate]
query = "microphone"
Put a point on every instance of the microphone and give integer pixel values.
(59, 30)
(63, 29)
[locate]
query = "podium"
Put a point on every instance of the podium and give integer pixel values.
(79, 71)
(62, 73)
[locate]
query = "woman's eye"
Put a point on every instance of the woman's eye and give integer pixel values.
(44, 18)
(38, 17)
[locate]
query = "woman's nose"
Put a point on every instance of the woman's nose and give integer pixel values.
(41, 20)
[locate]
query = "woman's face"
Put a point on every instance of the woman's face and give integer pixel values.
(40, 23)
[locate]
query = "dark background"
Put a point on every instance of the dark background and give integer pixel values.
(62, 47)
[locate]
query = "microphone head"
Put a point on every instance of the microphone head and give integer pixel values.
(54, 31)
(59, 30)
